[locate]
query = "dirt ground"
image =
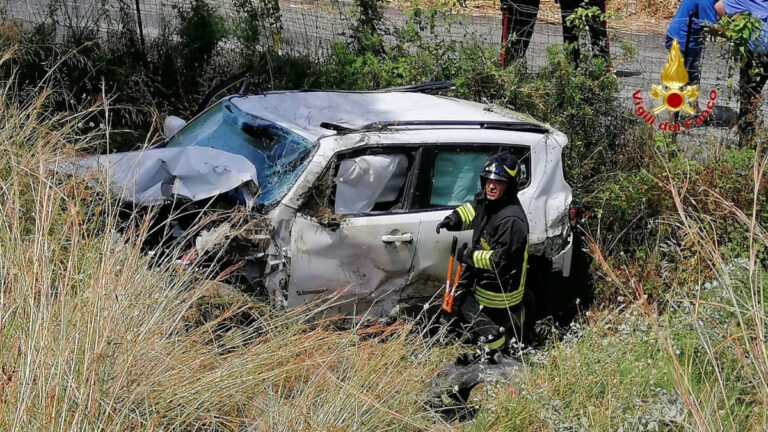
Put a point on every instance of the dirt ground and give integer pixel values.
(635, 16)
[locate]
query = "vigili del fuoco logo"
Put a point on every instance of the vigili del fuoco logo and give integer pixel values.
(674, 96)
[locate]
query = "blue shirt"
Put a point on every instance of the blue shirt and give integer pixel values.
(758, 9)
(703, 12)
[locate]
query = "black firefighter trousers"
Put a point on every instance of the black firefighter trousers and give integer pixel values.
(484, 324)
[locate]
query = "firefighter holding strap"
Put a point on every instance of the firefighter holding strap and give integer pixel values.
(493, 282)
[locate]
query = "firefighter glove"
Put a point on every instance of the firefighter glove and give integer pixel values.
(449, 220)
(464, 255)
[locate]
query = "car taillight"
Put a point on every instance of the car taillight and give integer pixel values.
(573, 214)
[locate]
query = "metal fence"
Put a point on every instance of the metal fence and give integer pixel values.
(309, 28)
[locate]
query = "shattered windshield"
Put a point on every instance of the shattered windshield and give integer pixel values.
(278, 154)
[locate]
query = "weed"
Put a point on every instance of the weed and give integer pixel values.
(91, 337)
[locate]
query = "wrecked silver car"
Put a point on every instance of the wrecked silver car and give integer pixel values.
(347, 188)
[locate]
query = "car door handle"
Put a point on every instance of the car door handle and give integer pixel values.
(400, 238)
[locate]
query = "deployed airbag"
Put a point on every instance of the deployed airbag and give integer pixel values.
(157, 175)
(363, 181)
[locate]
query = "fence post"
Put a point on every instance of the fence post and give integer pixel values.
(141, 27)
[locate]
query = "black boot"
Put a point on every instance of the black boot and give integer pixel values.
(466, 359)
(480, 356)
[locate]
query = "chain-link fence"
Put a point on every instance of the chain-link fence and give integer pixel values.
(308, 28)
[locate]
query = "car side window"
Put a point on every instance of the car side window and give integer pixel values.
(450, 176)
(370, 182)
(455, 180)
(360, 184)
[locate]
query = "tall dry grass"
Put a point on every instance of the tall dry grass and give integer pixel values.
(92, 338)
(722, 370)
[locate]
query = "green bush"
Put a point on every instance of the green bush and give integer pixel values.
(200, 31)
(171, 73)
(252, 19)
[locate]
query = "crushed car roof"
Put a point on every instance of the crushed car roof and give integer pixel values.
(305, 111)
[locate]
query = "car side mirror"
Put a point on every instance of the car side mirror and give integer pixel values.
(171, 125)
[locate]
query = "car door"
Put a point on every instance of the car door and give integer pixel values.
(449, 177)
(356, 241)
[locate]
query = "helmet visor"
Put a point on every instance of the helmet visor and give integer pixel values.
(494, 176)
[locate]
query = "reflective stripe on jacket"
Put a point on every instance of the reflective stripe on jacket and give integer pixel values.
(499, 248)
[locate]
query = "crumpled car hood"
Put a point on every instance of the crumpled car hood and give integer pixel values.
(157, 175)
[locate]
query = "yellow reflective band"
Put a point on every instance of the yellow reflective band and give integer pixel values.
(476, 259)
(497, 304)
(525, 267)
(498, 300)
(496, 296)
(498, 343)
(487, 257)
(470, 210)
(463, 215)
(510, 172)
(467, 213)
(482, 259)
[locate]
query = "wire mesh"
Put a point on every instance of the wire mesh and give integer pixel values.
(309, 28)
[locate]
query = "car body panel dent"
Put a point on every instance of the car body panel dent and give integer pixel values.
(362, 260)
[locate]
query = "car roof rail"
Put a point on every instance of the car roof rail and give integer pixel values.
(521, 126)
(336, 127)
(432, 87)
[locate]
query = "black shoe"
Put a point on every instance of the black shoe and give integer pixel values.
(494, 357)
(466, 359)
(491, 357)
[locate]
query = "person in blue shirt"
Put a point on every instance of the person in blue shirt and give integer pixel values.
(753, 71)
(687, 26)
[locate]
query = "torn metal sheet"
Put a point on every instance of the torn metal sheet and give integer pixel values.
(158, 175)
(212, 237)
(462, 379)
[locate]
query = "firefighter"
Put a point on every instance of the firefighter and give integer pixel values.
(493, 282)
(687, 27)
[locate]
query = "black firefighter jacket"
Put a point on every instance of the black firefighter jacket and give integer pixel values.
(499, 249)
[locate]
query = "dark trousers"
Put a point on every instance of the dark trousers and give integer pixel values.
(484, 322)
(598, 32)
(691, 60)
(518, 21)
(753, 75)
